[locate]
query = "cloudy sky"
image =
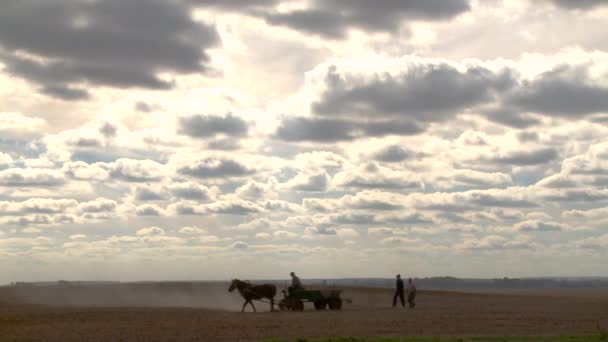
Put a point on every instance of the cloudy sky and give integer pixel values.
(208, 139)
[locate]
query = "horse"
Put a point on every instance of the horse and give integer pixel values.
(252, 292)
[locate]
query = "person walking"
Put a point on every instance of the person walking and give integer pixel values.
(411, 293)
(399, 292)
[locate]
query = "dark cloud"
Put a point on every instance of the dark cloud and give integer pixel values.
(215, 168)
(191, 191)
(565, 91)
(527, 137)
(85, 142)
(117, 43)
(393, 154)
(512, 118)
(579, 4)
(328, 130)
(144, 107)
(108, 130)
(321, 130)
(148, 210)
(527, 158)
(333, 18)
(311, 21)
(148, 194)
(235, 5)
(313, 183)
(65, 93)
(424, 93)
(204, 126)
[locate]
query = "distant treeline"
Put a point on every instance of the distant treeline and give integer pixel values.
(432, 283)
(452, 283)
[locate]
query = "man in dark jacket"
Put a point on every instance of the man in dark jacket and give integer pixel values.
(399, 292)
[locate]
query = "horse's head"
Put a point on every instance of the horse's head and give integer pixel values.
(233, 285)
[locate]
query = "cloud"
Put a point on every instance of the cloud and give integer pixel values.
(565, 91)
(99, 205)
(373, 176)
(235, 5)
(579, 4)
(538, 226)
(5, 159)
(393, 154)
(423, 91)
(476, 178)
(205, 126)
(19, 126)
(150, 231)
(240, 245)
(133, 170)
(148, 193)
(236, 207)
(192, 191)
(254, 191)
(64, 93)
(320, 231)
(116, 43)
(309, 183)
(528, 157)
(333, 18)
(226, 207)
(29, 177)
(495, 243)
(37, 206)
(149, 210)
(83, 171)
(329, 130)
(192, 231)
(215, 168)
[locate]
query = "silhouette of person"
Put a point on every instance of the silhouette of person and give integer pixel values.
(296, 283)
(399, 292)
(411, 293)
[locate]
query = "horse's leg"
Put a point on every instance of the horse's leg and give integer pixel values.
(251, 302)
(272, 304)
(244, 304)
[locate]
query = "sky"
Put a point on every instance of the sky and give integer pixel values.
(207, 139)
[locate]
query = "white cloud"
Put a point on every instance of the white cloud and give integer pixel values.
(150, 231)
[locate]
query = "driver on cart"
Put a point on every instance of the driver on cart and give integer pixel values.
(296, 283)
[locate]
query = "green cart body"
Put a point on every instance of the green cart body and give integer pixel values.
(322, 299)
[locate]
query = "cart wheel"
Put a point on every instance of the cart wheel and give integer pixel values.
(297, 305)
(335, 303)
(320, 304)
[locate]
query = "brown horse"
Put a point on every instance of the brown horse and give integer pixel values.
(252, 292)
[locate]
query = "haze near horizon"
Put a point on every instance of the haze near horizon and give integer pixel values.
(208, 140)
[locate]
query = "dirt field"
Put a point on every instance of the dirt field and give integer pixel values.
(203, 312)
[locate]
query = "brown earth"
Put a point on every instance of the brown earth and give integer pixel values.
(179, 313)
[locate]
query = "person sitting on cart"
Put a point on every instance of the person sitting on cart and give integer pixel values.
(296, 283)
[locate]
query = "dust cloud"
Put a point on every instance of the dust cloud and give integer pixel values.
(206, 295)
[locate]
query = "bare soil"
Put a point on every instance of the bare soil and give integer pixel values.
(179, 313)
